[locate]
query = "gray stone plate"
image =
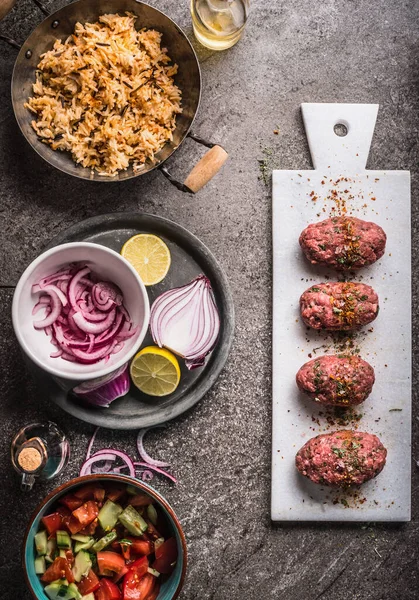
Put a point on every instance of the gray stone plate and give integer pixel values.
(190, 257)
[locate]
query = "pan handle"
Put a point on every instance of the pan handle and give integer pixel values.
(203, 171)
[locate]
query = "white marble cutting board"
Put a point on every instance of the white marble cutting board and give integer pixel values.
(300, 198)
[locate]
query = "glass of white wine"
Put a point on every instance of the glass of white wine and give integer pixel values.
(219, 24)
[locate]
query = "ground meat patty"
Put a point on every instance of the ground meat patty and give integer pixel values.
(336, 380)
(339, 306)
(343, 243)
(341, 458)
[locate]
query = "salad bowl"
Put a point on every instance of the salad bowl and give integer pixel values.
(171, 584)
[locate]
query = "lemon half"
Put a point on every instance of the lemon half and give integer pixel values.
(155, 371)
(149, 256)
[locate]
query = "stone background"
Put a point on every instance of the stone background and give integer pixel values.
(292, 52)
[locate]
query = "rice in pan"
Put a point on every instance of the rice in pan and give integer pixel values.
(107, 95)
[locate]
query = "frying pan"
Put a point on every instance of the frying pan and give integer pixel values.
(61, 24)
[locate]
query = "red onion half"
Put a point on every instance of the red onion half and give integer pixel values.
(85, 319)
(104, 390)
(185, 320)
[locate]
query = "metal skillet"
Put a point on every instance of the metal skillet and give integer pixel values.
(60, 25)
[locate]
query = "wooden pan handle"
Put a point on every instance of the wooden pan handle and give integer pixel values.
(5, 7)
(206, 168)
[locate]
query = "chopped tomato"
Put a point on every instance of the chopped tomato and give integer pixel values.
(154, 592)
(59, 569)
(142, 547)
(115, 493)
(89, 584)
(65, 515)
(110, 563)
(126, 550)
(52, 522)
(166, 555)
(107, 591)
(86, 513)
(135, 588)
(139, 567)
(71, 502)
(90, 491)
(74, 525)
(69, 557)
(121, 574)
(90, 529)
(140, 500)
(152, 531)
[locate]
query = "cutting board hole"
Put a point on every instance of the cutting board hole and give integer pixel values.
(341, 129)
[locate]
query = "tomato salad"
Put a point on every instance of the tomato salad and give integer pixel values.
(107, 542)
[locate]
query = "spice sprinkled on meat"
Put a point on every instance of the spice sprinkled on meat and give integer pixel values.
(339, 306)
(343, 243)
(336, 380)
(342, 458)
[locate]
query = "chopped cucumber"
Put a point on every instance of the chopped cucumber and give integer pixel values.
(158, 543)
(82, 565)
(133, 491)
(41, 541)
(61, 553)
(152, 514)
(84, 545)
(153, 572)
(132, 521)
(77, 537)
(73, 589)
(40, 566)
(57, 590)
(108, 515)
(52, 553)
(89, 597)
(105, 541)
(63, 540)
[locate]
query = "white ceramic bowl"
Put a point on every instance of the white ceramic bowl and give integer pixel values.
(109, 266)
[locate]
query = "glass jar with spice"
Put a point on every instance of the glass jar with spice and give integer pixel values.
(39, 450)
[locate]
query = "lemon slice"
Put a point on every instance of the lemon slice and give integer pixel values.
(155, 371)
(149, 256)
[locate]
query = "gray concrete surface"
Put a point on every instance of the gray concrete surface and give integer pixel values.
(293, 52)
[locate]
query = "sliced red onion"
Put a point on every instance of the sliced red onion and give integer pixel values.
(106, 295)
(72, 288)
(147, 466)
(104, 390)
(147, 475)
(95, 328)
(53, 315)
(186, 321)
(142, 452)
(53, 288)
(89, 322)
(107, 466)
(92, 441)
(42, 303)
(86, 468)
(56, 354)
(88, 357)
(106, 452)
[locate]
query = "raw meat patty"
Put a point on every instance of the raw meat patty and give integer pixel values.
(343, 243)
(341, 458)
(339, 306)
(336, 380)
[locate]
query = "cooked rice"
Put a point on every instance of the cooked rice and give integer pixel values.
(107, 95)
